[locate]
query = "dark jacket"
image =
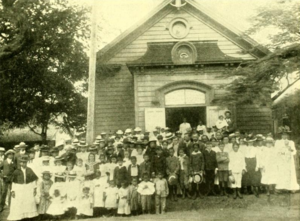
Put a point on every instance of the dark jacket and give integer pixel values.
(159, 165)
(197, 162)
(210, 160)
(120, 174)
(7, 170)
(18, 176)
(146, 167)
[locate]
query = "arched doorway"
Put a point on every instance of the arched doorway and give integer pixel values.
(185, 103)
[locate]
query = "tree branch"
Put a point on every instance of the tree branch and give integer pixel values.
(32, 129)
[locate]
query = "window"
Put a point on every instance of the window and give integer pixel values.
(185, 97)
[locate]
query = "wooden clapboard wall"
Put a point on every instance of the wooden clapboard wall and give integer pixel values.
(117, 93)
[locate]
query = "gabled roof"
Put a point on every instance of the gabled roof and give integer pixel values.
(211, 18)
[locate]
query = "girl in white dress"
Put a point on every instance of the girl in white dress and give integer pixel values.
(58, 197)
(85, 202)
(111, 198)
(100, 184)
(72, 191)
(268, 166)
(123, 206)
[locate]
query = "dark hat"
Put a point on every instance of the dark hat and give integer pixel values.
(158, 148)
(160, 137)
(45, 148)
(24, 158)
(120, 145)
(53, 150)
(126, 141)
(32, 150)
(139, 143)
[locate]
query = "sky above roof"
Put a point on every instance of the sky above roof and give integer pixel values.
(117, 16)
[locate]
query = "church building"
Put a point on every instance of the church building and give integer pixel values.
(172, 65)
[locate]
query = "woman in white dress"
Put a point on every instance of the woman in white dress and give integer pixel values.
(23, 192)
(268, 166)
(286, 178)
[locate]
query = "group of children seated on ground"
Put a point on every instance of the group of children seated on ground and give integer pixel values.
(131, 175)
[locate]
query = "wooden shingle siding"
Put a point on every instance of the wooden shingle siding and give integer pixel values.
(254, 119)
(158, 33)
(114, 101)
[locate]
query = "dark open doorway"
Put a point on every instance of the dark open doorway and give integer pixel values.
(175, 115)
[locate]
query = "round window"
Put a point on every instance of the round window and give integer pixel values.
(179, 28)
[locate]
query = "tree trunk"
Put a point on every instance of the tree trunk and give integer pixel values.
(44, 134)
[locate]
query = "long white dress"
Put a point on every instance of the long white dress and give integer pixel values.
(111, 194)
(23, 205)
(58, 202)
(286, 176)
(99, 187)
(269, 167)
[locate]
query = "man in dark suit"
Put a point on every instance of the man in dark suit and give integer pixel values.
(7, 167)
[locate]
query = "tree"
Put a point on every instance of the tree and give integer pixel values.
(256, 81)
(42, 56)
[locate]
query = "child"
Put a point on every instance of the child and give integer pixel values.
(72, 190)
(120, 172)
(146, 190)
(139, 154)
(69, 168)
(269, 166)
(127, 160)
(85, 204)
(133, 197)
(110, 197)
(79, 169)
(133, 169)
(197, 167)
(111, 166)
(100, 184)
(161, 193)
(184, 172)
(172, 170)
(145, 167)
(223, 161)
(102, 166)
(159, 162)
(210, 167)
(57, 195)
(44, 187)
(237, 168)
(123, 194)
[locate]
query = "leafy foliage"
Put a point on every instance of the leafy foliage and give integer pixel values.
(256, 81)
(41, 58)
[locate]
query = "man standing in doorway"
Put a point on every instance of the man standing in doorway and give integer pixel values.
(185, 127)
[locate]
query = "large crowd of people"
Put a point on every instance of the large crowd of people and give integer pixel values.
(132, 173)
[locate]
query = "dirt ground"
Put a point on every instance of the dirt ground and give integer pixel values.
(283, 207)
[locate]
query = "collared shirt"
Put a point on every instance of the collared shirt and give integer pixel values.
(134, 170)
